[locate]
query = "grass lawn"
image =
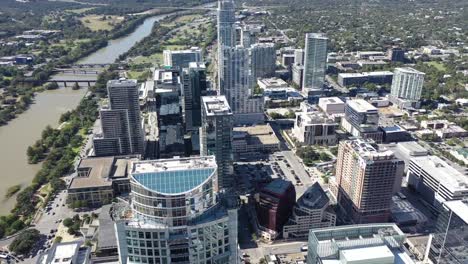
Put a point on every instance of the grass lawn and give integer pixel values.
(187, 18)
(438, 65)
(136, 74)
(97, 22)
(80, 10)
(155, 59)
(183, 20)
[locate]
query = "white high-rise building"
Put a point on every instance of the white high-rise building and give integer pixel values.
(315, 62)
(235, 78)
(174, 215)
(236, 83)
(299, 56)
(407, 84)
(226, 33)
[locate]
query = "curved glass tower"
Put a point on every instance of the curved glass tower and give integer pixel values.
(174, 215)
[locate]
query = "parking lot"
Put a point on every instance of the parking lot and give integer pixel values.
(284, 165)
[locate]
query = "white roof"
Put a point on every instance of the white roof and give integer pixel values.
(330, 100)
(380, 254)
(412, 148)
(408, 70)
(448, 176)
(316, 35)
(174, 164)
(364, 74)
(361, 105)
(459, 208)
(216, 105)
(65, 253)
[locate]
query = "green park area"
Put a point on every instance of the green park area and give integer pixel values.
(101, 22)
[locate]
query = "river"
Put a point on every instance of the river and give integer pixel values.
(23, 131)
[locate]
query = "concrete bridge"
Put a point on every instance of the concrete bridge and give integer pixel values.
(78, 71)
(66, 82)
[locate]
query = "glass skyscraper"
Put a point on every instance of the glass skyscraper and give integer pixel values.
(174, 215)
(315, 62)
(216, 136)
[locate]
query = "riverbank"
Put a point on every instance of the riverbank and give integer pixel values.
(25, 87)
(59, 149)
(22, 132)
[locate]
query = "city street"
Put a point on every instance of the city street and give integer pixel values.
(255, 254)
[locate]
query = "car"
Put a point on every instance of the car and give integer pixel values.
(53, 213)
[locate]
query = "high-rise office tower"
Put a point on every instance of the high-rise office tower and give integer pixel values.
(407, 84)
(315, 63)
(216, 136)
(365, 179)
(274, 206)
(362, 120)
(263, 60)
(194, 89)
(182, 58)
(174, 215)
(122, 131)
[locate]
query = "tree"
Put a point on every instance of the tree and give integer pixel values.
(25, 241)
(51, 86)
(67, 222)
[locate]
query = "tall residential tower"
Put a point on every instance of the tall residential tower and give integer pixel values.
(366, 180)
(226, 20)
(122, 131)
(216, 136)
(407, 87)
